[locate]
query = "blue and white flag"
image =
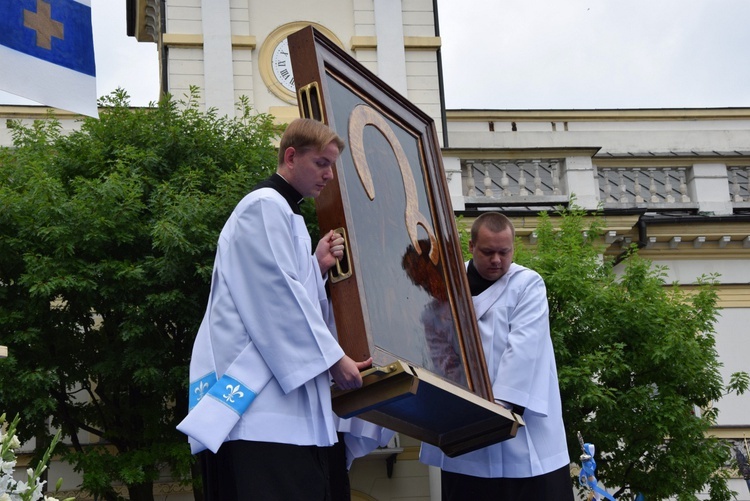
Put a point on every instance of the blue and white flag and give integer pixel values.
(47, 53)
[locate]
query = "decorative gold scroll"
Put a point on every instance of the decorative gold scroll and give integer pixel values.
(361, 116)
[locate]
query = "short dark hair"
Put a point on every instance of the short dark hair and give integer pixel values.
(304, 134)
(494, 221)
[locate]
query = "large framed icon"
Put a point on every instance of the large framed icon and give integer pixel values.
(400, 293)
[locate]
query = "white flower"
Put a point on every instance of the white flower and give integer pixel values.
(21, 487)
(15, 443)
(7, 467)
(37, 492)
(10, 489)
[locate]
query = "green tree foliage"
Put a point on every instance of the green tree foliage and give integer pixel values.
(637, 363)
(107, 240)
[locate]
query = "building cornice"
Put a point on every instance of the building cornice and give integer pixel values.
(520, 153)
(721, 239)
(729, 295)
(598, 115)
(729, 432)
(34, 112)
(673, 159)
(410, 43)
(143, 20)
(196, 40)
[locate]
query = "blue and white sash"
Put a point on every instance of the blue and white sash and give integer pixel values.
(217, 405)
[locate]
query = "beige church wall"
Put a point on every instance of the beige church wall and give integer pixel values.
(422, 83)
(335, 15)
(364, 18)
(732, 338)
(731, 271)
(735, 119)
(242, 64)
(616, 131)
(423, 86)
(239, 17)
(408, 482)
(349, 21)
(731, 328)
(185, 68)
(185, 63)
(184, 17)
(26, 116)
(699, 122)
(738, 485)
(6, 139)
(368, 58)
(613, 142)
(419, 20)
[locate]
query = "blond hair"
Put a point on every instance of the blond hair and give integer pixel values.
(304, 134)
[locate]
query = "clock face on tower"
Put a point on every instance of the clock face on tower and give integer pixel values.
(274, 63)
(282, 65)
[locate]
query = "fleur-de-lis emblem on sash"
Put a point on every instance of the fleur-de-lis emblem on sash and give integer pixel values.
(234, 391)
(201, 389)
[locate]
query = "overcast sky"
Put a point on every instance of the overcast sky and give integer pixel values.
(572, 54)
(534, 54)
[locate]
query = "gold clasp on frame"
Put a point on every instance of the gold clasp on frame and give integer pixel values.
(378, 369)
(343, 268)
(309, 101)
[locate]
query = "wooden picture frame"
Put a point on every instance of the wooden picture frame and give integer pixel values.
(400, 293)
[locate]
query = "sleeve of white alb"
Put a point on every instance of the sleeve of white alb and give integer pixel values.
(219, 405)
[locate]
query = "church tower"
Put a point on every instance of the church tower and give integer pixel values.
(230, 49)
